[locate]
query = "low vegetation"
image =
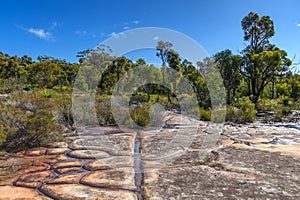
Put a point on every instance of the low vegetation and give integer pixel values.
(36, 106)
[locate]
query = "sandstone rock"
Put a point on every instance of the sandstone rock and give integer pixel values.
(68, 170)
(32, 180)
(80, 192)
(88, 154)
(66, 179)
(58, 145)
(113, 178)
(111, 162)
(53, 159)
(115, 144)
(73, 163)
(17, 193)
(37, 168)
(35, 152)
(54, 151)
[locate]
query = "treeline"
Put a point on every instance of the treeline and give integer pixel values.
(22, 73)
(38, 104)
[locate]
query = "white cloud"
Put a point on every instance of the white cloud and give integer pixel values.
(40, 33)
(85, 34)
(298, 25)
(54, 25)
(117, 35)
(113, 34)
(156, 38)
(136, 22)
(126, 27)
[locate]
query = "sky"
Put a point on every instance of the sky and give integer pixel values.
(63, 28)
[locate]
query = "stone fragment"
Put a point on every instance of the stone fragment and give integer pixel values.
(58, 145)
(115, 144)
(54, 151)
(18, 193)
(32, 180)
(35, 152)
(111, 162)
(88, 154)
(64, 164)
(66, 179)
(81, 192)
(113, 178)
(53, 159)
(36, 168)
(68, 170)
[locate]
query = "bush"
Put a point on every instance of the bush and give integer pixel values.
(205, 115)
(268, 104)
(27, 121)
(103, 110)
(243, 111)
(63, 104)
(280, 107)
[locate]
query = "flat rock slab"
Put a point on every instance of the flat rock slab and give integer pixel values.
(69, 170)
(73, 163)
(66, 179)
(35, 152)
(17, 193)
(114, 178)
(37, 168)
(198, 182)
(54, 151)
(111, 162)
(88, 154)
(53, 159)
(58, 145)
(115, 144)
(235, 173)
(33, 180)
(80, 192)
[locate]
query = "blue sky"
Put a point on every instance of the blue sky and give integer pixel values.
(62, 28)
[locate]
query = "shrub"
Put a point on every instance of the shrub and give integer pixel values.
(205, 115)
(140, 115)
(279, 107)
(268, 104)
(63, 104)
(27, 121)
(103, 110)
(243, 111)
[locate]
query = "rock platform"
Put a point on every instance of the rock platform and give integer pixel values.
(186, 159)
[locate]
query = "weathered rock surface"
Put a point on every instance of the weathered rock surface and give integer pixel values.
(88, 154)
(115, 144)
(113, 178)
(17, 193)
(78, 192)
(186, 159)
(33, 180)
(111, 162)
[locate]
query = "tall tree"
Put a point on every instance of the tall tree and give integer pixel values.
(228, 65)
(262, 61)
(163, 49)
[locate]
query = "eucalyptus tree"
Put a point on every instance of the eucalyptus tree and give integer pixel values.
(228, 65)
(262, 61)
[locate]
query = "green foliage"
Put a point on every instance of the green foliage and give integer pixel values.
(140, 115)
(63, 106)
(27, 121)
(243, 111)
(228, 65)
(205, 115)
(103, 110)
(262, 61)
